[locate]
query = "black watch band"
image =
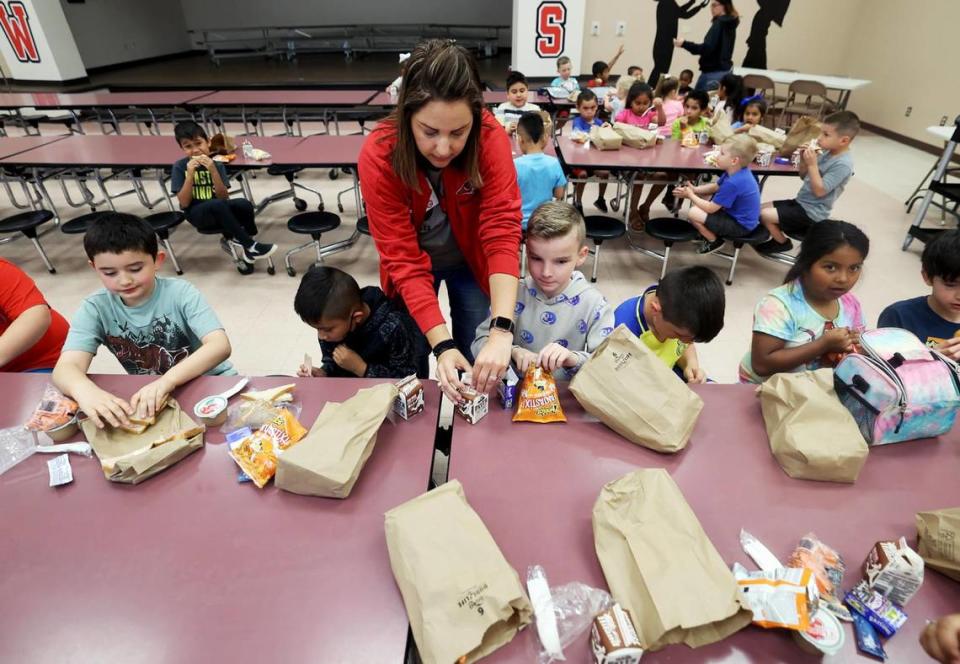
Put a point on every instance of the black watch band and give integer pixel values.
(502, 323)
(443, 347)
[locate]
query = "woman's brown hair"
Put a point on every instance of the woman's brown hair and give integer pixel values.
(728, 8)
(437, 70)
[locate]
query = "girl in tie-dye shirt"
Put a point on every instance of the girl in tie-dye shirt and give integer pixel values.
(812, 319)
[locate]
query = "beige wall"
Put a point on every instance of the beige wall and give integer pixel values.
(904, 45)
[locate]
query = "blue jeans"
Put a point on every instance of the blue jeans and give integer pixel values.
(469, 306)
(710, 80)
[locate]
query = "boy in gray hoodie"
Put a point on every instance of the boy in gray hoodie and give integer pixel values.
(560, 318)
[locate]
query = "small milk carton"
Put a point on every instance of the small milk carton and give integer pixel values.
(894, 570)
(507, 389)
(409, 399)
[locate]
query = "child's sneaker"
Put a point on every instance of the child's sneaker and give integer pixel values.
(708, 247)
(258, 251)
(773, 247)
(600, 204)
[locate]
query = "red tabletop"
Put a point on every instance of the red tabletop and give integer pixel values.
(490, 97)
(319, 151)
(11, 145)
(668, 155)
(192, 566)
(288, 98)
(104, 99)
(535, 485)
(18, 99)
(114, 151)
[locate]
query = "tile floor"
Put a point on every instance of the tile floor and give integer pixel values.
(268, 338)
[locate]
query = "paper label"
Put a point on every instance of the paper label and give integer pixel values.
(60, 470)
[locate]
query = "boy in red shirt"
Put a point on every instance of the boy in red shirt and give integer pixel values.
(31, 333)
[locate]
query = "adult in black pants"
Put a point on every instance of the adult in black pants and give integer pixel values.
(200, 186)
(668, 22)
(716, 51)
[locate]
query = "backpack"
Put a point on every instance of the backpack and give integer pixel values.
(898, 389)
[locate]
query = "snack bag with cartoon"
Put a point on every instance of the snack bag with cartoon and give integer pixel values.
(539, 400)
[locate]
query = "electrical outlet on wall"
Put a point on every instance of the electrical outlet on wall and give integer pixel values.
(595, 28)
(621, 28)
(909, 111)
(943, 121)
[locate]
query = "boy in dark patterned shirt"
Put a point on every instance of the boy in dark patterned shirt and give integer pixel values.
(361, 332)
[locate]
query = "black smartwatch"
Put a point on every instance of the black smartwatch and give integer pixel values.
(443, 347)
(502, 323)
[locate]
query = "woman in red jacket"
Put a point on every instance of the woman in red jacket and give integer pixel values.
(443, 205)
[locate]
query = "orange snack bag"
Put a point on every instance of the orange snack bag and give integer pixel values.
(257, 453)
(538, 400)
(54, 411)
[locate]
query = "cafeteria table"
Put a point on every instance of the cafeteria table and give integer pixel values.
(193, 566)
(534, 486)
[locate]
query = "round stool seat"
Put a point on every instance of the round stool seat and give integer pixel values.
(602, 228)
(78, 225)
(162, 221)
(313, 223)
(669, 229)
(25, 221)
(758, 235)
(363, 226)
(278, 169)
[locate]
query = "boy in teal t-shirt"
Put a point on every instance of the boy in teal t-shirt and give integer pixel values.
(152, 325)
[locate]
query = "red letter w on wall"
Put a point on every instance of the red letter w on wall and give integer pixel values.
(551, 28)
(16, 27)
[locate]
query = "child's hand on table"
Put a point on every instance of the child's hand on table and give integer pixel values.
(348, 360)
(554, 356)
(523, 358)
(314, 372)
(941, 639)
(149, 398)
(103, 407)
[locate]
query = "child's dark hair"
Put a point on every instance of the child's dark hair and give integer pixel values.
(515, 77)
(758, 101)
(188, 129)
(633, 69)
(326, 292)
(586, 95)
(693, 298)
(116, 232)
(636, 90)
(700, 97)
(598, 68)
(941, 256)
(733, 84)
(846, 122)
(689, 73)
(667, 85)
(825, 237)
(530, 125)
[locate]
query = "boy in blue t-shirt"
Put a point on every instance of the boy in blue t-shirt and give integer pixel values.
(152, 325)
(539, 175)
(934, 318)
(587, 107)
(734, 211)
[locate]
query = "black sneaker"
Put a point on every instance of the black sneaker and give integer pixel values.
(258, 251)
(225, 246)
(707, 247)
(774, 247)
(600, 204)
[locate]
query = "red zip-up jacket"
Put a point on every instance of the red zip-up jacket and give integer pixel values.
(484, 222)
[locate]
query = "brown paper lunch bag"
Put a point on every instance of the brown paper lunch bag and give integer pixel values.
(131, 458)
(766, 135)
(804, 130)
(328, 460)
(605, 138)
(812, 435)
(720, 128)
(660, 565)
(633, 392)
(938, 535)
(635, 137)
(462, 596)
